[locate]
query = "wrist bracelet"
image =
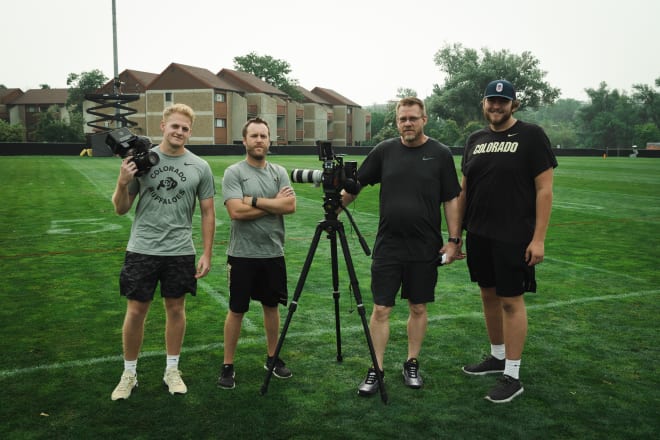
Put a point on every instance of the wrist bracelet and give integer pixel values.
(254, 202)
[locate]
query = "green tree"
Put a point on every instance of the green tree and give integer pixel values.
(270, 70)
(11, 133)
(608, 120)
(558, 120)
(82, 84)
(649, 101)
(52, 128)
(468, 73)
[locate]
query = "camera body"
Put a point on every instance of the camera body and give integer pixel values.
(335, 175)
(124, 143)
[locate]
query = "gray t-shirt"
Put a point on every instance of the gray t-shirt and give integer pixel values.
(262, 237)
(166, 203)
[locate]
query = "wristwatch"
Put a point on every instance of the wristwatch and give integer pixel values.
(455, 240)
(254, 202)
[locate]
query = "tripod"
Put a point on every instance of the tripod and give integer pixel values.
(333, 227)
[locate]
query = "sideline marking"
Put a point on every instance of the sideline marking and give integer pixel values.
(351, 329)
(596, 269)
(570, 205)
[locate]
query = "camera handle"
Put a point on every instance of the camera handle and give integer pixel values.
(333, 227)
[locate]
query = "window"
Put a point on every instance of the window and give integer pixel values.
(220, 97)
(220, 123)
(168, 98)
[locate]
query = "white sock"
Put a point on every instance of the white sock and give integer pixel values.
(172, 362)
(130, 366)
(512, 368)
(497, 351)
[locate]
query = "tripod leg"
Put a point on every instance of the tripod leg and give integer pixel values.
(294, 303)
(335, 288)
(360, 308)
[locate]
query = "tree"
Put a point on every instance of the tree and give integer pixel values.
(608, 120)
(646, 97)
(468, 73)
(51, 127)
(11, 133)
(82, 84)
(270, 70)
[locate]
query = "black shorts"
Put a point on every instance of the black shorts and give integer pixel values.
(261, 279)
(500, 265)
(141, 273)
(416, 279)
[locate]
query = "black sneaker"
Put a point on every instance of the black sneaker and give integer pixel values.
(369, 385)
(490, 365)
(506, 389)
(411, 375)
(226, 379)
(280, 370)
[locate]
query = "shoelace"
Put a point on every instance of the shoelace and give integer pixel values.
(124, 382)
(174, 378)
(412, 370)
(371, 378)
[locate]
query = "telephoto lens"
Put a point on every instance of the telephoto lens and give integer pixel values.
(299, 175)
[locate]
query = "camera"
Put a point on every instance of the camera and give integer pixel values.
(336, 174)
(124, 143)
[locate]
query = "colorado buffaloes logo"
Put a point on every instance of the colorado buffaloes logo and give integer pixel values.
(167, 183)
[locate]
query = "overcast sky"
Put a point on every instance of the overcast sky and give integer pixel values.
(363, 49)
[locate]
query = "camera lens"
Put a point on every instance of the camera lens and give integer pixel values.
(299, 175)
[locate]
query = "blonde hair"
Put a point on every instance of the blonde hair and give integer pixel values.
(179, 108)
(409, 102)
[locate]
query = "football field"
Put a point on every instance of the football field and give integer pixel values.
(589, 366)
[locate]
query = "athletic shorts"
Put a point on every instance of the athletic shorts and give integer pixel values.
(261, 279)
(416, 279)
(141, 273)
(501, 265)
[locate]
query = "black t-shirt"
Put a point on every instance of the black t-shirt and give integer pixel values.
(413, 184)
(500, 168)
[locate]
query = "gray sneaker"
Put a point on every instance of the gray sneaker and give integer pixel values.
(280, 370)
(411, 375)
(506, 389)
(369, 385)
(226, 379)
(490, 365)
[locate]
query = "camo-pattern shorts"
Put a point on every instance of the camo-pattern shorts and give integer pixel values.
(141, 273)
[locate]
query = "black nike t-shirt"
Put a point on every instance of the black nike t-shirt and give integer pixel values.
(500, 168)
(413, 184)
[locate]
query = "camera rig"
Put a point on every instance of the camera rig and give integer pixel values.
(335, 175)
(124, 143)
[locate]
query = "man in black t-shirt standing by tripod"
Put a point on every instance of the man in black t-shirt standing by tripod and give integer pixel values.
(507, 198)
(417, 177)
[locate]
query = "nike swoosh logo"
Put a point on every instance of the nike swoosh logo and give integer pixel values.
(512, 134)
(428, 157)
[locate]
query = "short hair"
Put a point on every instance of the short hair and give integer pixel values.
(179, 108)
(410, 101)
(254, 121)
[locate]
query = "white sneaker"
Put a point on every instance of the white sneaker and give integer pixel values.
(173, 381)
(125, 386)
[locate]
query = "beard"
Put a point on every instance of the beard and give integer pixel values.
(497, 119)
(257, 156)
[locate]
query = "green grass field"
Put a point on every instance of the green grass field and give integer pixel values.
(589, 366)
